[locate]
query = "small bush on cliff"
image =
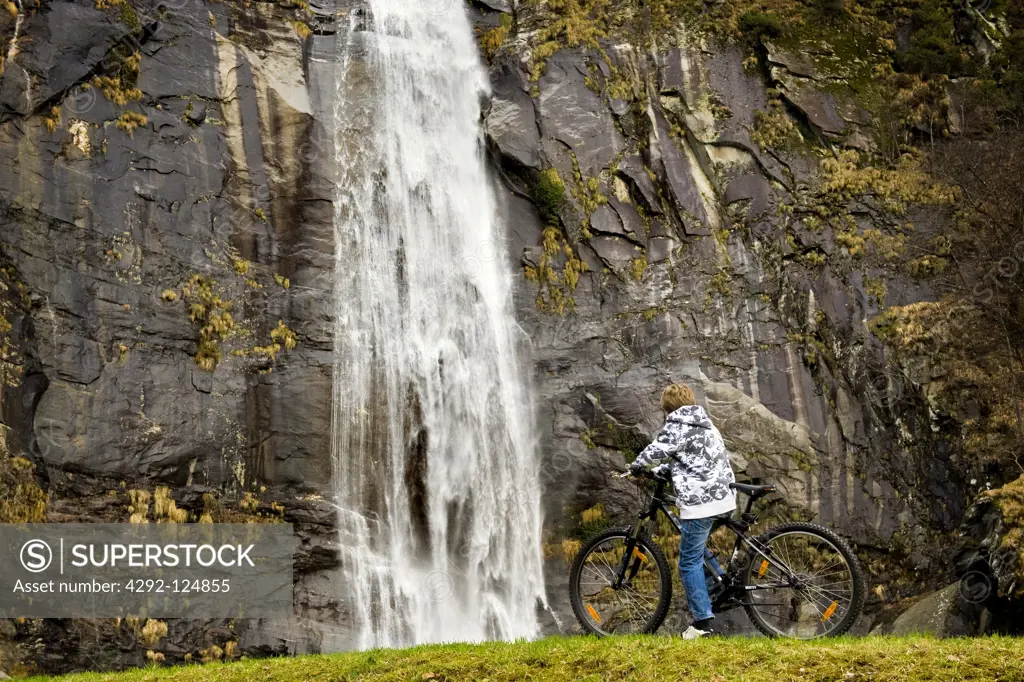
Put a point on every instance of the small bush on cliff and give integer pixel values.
(756, 25)
(492, 40)
(555, 289)
(212, 315)
(549, 195)
(126, 13)
(281, 338)
(130, 120)
(831, 8)
(933, 48)
(21, 498)
(121, 72)
(53, 119)
(591, 521)
(251, 508)
(775, 129)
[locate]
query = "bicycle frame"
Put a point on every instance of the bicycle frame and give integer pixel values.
(732, 592)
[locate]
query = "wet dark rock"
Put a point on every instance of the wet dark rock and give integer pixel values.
(659, 249)
(820, 108)
(681, 176)
(614, 250)
(511, 122)
(69, 42)
(752, 188)
(944, 613)
(574, 120)
(987, 565)
(496, 5)
(630, 220)
(606, 220)
(672, 77)
(525, 228)
(197, 114)
(633, 170)
(797, 64)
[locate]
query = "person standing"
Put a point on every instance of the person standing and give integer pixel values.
(691, 449)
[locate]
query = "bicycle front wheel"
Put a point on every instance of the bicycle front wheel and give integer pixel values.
(602, 604)
(809, 586)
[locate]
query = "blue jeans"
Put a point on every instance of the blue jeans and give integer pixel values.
(692, 547)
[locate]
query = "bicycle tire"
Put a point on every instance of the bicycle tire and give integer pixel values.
(649, 547)
(857, 576)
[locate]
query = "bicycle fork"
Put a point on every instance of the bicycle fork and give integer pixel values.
(627, 572)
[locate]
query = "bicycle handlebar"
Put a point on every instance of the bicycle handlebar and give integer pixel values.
(642, 475)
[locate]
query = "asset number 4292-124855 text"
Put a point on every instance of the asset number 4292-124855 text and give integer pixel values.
(183, 585)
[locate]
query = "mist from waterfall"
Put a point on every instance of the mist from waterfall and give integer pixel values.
(435, 465)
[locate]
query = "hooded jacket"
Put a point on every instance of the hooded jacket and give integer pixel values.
(692, 449)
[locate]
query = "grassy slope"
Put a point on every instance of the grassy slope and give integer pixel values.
(648, 658)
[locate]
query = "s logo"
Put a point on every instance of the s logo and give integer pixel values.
(36, 556)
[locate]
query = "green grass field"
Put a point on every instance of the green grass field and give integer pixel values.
(642, 658)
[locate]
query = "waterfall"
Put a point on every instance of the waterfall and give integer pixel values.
(435, 465)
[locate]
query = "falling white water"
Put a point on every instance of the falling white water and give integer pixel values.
(12, 49)
(435, 466)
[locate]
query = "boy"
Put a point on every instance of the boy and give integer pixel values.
(701, 475)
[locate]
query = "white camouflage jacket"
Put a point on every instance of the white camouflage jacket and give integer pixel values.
(695, 454)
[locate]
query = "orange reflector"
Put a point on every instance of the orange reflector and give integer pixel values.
(593, 613)
(830, 611)
(639, 555)
(763, 569)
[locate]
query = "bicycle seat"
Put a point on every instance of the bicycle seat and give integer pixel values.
(754, 491)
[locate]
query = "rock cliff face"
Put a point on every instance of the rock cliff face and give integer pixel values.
(166, 234)
(692, 274)
(183, 141)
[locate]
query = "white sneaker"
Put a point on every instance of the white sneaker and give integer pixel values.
(694, 633)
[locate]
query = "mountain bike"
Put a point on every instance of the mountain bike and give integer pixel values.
(797, 580)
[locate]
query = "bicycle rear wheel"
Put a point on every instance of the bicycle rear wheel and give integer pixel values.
(639, 604)
(826, 592)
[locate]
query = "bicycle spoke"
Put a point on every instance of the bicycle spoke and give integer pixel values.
(813, 601)
(628, 608)
(820, 598)
(827, 598)
(631, 603)
(614, 570)
(648, 604)
(822, 591)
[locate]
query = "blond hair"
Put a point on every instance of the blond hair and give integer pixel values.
(675, 396)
